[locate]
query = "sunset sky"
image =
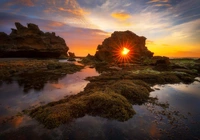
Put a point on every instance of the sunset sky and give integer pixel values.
(172, 27)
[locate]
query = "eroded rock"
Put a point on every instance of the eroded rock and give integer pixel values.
(30, 41)
(109, 50)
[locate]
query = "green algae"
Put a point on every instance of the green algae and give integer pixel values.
(35, 73)
(110, 95)
(107, 105)
(13, 68)
(135, 93)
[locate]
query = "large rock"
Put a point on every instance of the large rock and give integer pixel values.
(110, 49)
(71, 54)
(161, 63)
(30, 41)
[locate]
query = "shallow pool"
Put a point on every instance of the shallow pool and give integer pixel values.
(180, 121)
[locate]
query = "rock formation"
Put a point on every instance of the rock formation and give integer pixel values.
(161, 63)
(71, 54)
(109, 50)
(30, 41)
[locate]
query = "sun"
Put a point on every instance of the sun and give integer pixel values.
(125, 51)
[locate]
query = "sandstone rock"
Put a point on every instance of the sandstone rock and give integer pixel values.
(109, 50)
(30, 41)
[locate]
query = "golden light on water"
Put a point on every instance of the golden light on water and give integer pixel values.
(125, 51)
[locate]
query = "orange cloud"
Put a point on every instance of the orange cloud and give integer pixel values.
(154, 1)
(121, 15)
(21, 2)
(27, 2)
(57, 24)
(160, 5)
(77, 12)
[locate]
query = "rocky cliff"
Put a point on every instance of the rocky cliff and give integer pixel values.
(110, 49)
(30, 41)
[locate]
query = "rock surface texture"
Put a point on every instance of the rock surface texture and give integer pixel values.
(110, 49)
(30, 41)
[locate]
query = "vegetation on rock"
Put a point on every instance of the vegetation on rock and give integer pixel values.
(35, 73)
(108, 105)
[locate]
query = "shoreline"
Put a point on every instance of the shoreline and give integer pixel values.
(121, 88)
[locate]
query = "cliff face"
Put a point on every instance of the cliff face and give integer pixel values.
(108, 50)
(30, 41)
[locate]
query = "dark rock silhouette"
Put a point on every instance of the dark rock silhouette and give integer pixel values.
(161, 63)
(71, 56)
(30, 41)
(109, 49)
(198, 60)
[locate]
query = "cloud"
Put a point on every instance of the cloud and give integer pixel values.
(155, 1)
(28, 3)
(185, 11)
(68, 11)
(161, 21)
(184, 33)
(182, 40)
(121, 15)
(80, 40)
(150, 42)
(161, 5)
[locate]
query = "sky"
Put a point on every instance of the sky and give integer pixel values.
(172, 27)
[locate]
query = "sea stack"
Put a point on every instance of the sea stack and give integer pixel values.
(30, 41)
(108, 49)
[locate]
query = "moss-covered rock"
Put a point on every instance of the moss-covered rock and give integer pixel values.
(135, 93)
(109, 95)
(35, 73)
(107, 105)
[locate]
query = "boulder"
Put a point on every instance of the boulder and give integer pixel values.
(161, 63)
(71, 54)
(110, 49)
(30, 41)
(161, 60)
(198, 60)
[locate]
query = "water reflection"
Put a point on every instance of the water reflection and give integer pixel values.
(37, 81)
(40, 89)
(146, 124)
